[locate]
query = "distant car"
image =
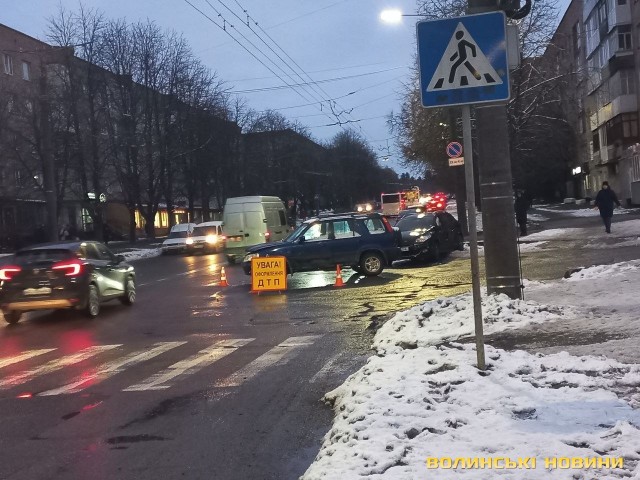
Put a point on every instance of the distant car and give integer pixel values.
(435, 202)
(207, 237)
(429, 235)
(78, 274)
(366, 242)
(179, 238)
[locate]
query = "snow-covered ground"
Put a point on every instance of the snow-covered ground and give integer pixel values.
(582, 212)
(133, 254)
(421, 400)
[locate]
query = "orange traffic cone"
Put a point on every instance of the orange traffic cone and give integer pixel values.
(223, 279)
(339, 282)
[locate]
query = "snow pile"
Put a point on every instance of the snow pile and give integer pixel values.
(626, 242)
(449, 318)
(606, 271)
(403, 408)
(422, 398)
(556, 234)
(134, 254)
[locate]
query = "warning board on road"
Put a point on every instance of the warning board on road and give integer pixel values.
(456, 162)
(268, 274)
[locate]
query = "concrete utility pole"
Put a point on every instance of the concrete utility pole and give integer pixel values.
(496, 191)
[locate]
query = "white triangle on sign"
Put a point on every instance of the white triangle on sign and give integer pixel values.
(463, 65)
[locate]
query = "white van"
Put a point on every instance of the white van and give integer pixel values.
(207, 237)
(250, 221)
(178, 238)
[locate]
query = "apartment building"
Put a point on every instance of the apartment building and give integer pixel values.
(612, 101)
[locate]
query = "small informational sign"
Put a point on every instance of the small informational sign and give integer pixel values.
(454, 150)
(456, 162)
(268, 274)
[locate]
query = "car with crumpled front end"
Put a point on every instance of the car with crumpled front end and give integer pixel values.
(365, 242)
(429, 235)
(77, 274)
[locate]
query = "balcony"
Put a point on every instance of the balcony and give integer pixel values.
(621, 104)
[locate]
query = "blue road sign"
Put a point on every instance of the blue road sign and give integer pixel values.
(454, 149)
(463, 60)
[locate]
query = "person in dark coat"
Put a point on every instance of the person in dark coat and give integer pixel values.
(521, 206)
(605, 200)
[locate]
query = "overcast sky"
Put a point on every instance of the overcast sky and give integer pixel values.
(358, 62)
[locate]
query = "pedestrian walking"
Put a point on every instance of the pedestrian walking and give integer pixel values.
(605, 201)
(521, 205)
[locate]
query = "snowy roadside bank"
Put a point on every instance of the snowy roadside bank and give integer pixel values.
(420, 397)
(133, 254)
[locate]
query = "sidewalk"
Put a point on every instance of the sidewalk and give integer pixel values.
(569, 405)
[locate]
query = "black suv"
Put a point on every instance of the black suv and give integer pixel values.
(365, 242)
(64, 275)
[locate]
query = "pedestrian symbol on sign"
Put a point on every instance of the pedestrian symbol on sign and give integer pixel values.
(463, 51)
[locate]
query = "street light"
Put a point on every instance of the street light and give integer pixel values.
(391, 16)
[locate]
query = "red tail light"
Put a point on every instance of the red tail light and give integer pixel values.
(71, 268)
(9, 271)
(439, 205)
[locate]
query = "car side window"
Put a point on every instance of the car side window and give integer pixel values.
(317, 232)
(104, 252)
(374, 225)
(88, 251)
(344, 229)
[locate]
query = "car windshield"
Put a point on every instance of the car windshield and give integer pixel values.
(413, 222)
(293, 236)
(204, 231)
(43, 255)
(180, 234)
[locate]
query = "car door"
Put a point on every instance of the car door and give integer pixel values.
(449, 231)
(312, 253)
(114, 271)
(345, 242)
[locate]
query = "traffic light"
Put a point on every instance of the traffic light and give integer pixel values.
(512, 8)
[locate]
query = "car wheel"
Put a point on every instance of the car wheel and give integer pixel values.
(129, 297)
(12, 316)
(92, 306)
(371, 264)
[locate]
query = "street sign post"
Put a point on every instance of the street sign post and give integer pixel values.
(454, 150)
(463, 60)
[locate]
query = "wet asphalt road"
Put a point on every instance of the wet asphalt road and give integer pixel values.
(197, 381)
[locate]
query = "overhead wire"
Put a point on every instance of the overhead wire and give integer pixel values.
(243, 47)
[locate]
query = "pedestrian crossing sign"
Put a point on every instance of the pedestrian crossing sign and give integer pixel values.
(463, 60)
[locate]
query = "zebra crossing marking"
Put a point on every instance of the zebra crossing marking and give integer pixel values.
(24, 356)
(54, 365)
(275, 356)
(190, 365)
(112, 368)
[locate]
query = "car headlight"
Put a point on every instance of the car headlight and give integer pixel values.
(423, 238)
(368, 207)
(249, 256)
(189, 241)
(211, 239)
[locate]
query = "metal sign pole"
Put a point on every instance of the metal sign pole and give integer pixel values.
(473, 234)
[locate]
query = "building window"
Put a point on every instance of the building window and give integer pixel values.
(627, 82)
(19, 177)
(630, 125)
(624, 37)
(596, 142)
(8, 64)
(26, 71)
(622, 2)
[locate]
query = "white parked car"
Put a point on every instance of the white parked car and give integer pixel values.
(179, 238)
(207, 237)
